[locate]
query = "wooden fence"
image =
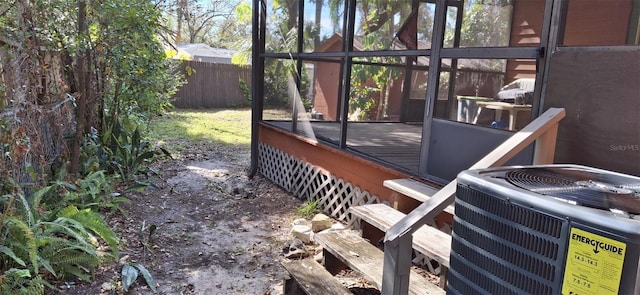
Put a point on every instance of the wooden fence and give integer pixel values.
(211, 85)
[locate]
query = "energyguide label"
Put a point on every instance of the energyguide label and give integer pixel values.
(594, 264)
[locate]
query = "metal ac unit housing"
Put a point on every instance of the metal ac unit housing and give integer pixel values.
(548, 229)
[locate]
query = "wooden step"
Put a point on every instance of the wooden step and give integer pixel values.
(414, 189)
(311, 278)
(427, 240)
(358, 254)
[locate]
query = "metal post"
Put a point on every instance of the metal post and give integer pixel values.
(555, 17)
(350, 8)
(297, 98)
(432, 82)
(257, 79)
(451, 95)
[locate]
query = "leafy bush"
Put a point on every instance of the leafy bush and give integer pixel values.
(20, 281)
(94, 191)
(50, 228)
(130, 152)
(55, 232)
(39, 244)
(122, 153)
(246, 90)
(279, 84)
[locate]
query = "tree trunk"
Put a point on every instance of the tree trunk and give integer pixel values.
(316, 37)
(83, 86)
(180, 10)
(292, 10)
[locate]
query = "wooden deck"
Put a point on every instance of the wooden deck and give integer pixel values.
(397, 144)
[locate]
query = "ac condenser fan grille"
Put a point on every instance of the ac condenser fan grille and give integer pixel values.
(581, 187)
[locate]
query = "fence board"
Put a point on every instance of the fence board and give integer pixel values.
(212, 85)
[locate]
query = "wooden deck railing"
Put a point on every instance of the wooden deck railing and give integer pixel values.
(398, 239)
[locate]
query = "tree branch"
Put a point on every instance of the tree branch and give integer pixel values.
(5, 41)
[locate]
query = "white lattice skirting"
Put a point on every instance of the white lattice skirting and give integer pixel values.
(307, 182)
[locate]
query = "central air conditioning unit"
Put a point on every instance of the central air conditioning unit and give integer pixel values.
(552, 229)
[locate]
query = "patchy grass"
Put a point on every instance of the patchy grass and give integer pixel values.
(228, 126)
(309, 208)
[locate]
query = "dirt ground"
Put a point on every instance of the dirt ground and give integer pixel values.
(216, 230)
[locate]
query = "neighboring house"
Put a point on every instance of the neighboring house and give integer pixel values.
(205, 53)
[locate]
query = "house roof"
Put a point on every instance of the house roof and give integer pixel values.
(201, 50)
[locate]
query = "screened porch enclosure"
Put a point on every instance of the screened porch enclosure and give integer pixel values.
(426, 87)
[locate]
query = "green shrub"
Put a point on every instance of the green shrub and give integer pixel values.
(40, 244)
(123, 153)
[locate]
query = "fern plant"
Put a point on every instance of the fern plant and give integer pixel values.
(94, 222)
(18, 252)
(17, 281)
(59, 244)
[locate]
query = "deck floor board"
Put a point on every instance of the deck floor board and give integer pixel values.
(394, 143)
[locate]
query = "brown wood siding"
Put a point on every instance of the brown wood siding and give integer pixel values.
(589, 22)
(520, 68)
(597, 22)
(327, 80)
(600, 92)
(526, 24)
(394, 104)
(326, 89)
(526, 29)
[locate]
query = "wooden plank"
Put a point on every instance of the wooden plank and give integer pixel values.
(356, 170)
(411, 188)
(414, 189)
(312, 278)
(546, 147)
(426, 240)
(363, 257)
